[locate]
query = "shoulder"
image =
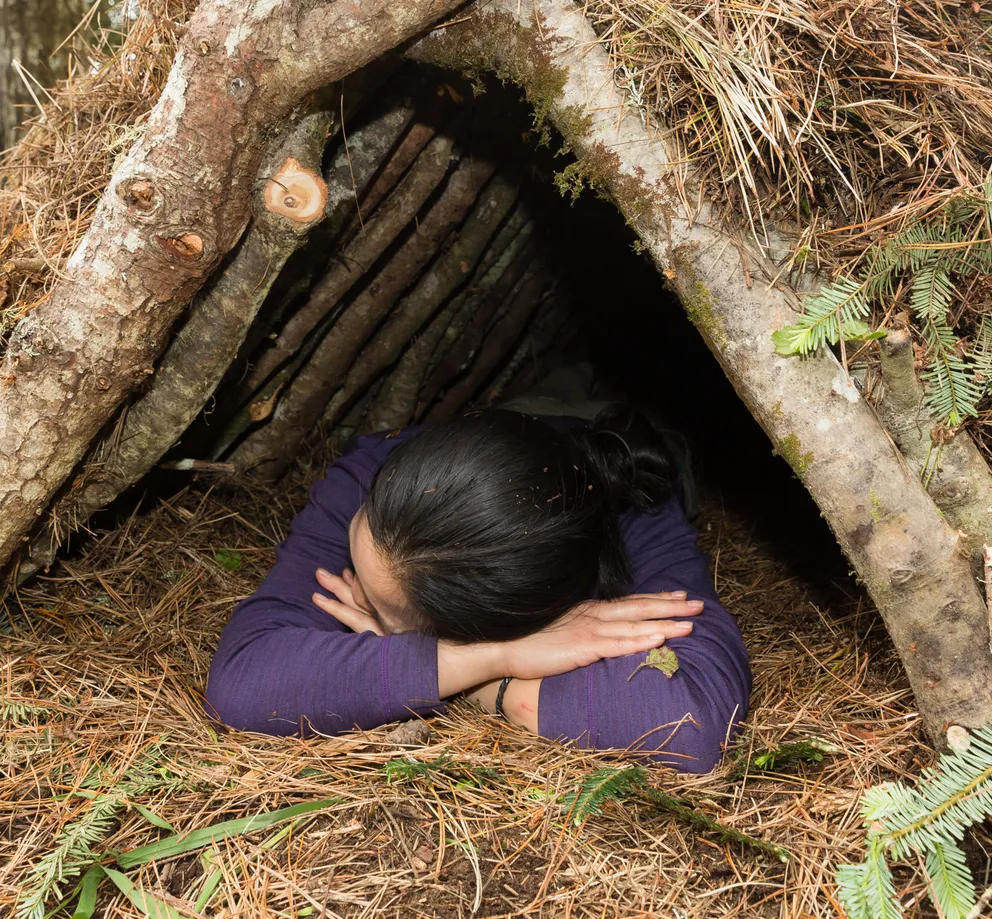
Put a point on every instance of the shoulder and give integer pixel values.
(364, 455)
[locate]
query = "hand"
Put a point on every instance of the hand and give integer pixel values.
(600, 629)
(345, 609)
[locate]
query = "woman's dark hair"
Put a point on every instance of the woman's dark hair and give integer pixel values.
(497, 523)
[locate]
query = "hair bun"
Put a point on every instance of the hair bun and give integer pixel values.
(635, 468)
(629, 457)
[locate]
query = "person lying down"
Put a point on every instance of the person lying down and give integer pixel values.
(527, 563)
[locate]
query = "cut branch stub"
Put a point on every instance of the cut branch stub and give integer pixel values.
(266, 450)
(296, 193)
(130, 277)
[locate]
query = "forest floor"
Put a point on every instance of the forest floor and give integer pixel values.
(101, 676)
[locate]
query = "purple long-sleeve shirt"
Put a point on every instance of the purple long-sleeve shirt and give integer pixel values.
(285, 667)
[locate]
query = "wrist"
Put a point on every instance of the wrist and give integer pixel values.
(463, 666)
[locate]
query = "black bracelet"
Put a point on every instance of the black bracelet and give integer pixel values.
(499, 695)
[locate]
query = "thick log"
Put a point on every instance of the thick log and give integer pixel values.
(892, 532)
(160, 228)
(950, 467)
(290, 199)
(265, 451)
(452, 268)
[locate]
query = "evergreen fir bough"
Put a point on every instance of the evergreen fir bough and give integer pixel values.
(926, 258)
(930, 819)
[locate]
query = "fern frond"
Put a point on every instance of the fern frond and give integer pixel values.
(890, 803)
(599, 787)
(834, 312)
(952, 388)
(981, 348)
(950, 880)
(72, 855)
(931, 293)
(955, 794)
(866, 890)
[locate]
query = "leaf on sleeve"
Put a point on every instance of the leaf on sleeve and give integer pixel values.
(663, 659)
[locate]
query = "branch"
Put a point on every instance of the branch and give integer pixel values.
(381, 231)
(477, 314)
(951, 468)
(520, 307)
(161, 228)
(288, 205)
(450, 270)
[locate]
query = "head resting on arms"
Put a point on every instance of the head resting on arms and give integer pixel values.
(492, 525)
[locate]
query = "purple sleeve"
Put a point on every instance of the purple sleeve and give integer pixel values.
(687, 717)
(284, 666)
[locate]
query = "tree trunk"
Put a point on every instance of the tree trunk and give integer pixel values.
(161, 229)
(890, 529)
(30, 31)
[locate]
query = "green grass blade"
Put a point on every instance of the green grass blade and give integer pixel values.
(209, 888)
(179, 844)
(153, 818)
(148, 903)
(87, 893)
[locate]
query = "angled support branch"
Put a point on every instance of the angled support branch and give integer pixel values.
(290, 200)
(951, 468)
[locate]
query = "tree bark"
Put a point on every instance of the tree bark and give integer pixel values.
(890, 529)
(160, 229)
(290, 200)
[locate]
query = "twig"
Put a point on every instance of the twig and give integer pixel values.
(686, 812)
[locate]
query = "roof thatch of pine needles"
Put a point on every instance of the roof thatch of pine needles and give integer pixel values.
(836, 119)
(104, 665)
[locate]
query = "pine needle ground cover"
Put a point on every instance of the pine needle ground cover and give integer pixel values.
(106, 759)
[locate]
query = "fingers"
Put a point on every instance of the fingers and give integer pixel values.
(338, 586)
(659, 630)
(646, 606)
(356, 620)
